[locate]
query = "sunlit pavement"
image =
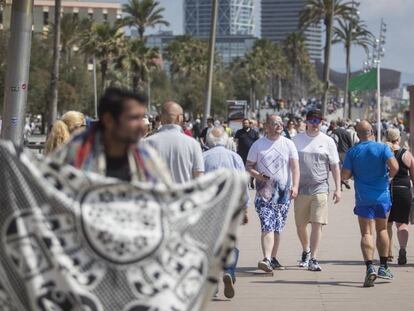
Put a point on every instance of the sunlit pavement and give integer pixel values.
(337, 287)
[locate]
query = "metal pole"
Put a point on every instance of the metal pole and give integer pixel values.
(95, 89)
(149, 95)
(212, 48)
(378, 102)
(17, 76)
(54, 81)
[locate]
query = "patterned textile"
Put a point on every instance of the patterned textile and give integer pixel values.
(78, 241)
(84, 149)
(273, 213)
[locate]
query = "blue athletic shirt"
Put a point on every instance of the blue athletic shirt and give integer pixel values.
(368, 163)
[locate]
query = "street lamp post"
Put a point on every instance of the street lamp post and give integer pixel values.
(212, 48)
(378, 54)
(17, 77)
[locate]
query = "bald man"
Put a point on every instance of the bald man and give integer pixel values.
(371, 164)
(181, 153)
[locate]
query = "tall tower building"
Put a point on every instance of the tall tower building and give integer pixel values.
(281, 17)
(235, 17)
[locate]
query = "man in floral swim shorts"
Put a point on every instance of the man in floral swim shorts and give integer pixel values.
(273, 161)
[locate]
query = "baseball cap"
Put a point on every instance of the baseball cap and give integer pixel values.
(314, 114)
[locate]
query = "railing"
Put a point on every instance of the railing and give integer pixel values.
(36, 146)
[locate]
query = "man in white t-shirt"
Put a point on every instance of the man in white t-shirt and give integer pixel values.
(273, 162)
(317, 156)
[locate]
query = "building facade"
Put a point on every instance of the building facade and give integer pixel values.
(228, 48)
(102, 11)
(235, 17)
(281, 17)
(235, 25)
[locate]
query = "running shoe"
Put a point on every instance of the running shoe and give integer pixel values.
(228, 285)
(402, 257)
(304, 261)
(385, 273)
(265, 265)
(314, 265)
(370, 277)
(275, 264)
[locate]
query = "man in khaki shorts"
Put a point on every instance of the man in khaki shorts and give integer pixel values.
(317, 155)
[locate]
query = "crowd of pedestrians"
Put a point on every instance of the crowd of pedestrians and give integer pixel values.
(288, 160)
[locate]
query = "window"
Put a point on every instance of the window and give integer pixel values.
(90, 14)
(105, 17)
(45, 18)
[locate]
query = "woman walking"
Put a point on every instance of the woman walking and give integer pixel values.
(401, 194)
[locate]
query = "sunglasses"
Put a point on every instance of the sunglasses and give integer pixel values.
(275, 123)
(314, 121)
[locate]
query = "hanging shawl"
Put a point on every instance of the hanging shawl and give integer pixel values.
(85, 152)
(78, 241)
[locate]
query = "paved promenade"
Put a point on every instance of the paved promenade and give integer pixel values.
(337, 287)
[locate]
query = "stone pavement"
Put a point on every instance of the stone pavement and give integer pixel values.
(337, 287)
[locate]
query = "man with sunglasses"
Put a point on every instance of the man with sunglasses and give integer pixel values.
(317, 156)
(273, 161)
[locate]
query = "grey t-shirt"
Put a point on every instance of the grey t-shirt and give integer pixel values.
(316, 154)
(181, 153)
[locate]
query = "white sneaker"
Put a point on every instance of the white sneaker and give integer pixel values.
(314, 265)
(304, 261)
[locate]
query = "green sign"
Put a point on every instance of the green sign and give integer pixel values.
(364, 82)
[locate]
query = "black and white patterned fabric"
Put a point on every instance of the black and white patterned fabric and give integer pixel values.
(77, 241)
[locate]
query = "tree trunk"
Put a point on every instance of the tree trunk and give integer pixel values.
(253, 99)
(279, 88)
(326, 66)
(53, 101)
(347, 97)
(104, 68)
(135, 82)
(141, 31)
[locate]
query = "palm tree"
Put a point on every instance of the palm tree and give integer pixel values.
(298, 58)
(143, 14)
(53, 99)
(71, 29)
(328, 11)
(256, 67)
(274, 64)
(354, 32)
(102, 42)
(138, 60)
(187, 56)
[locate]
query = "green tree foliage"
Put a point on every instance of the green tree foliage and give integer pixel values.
(138, 60)
(102, 42)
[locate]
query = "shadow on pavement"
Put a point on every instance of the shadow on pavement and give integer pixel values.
(331, 283)
(343, 262)
(220, 300)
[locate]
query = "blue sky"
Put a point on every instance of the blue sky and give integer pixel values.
(397, 14)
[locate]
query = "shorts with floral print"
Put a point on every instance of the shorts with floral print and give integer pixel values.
(273, 213)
